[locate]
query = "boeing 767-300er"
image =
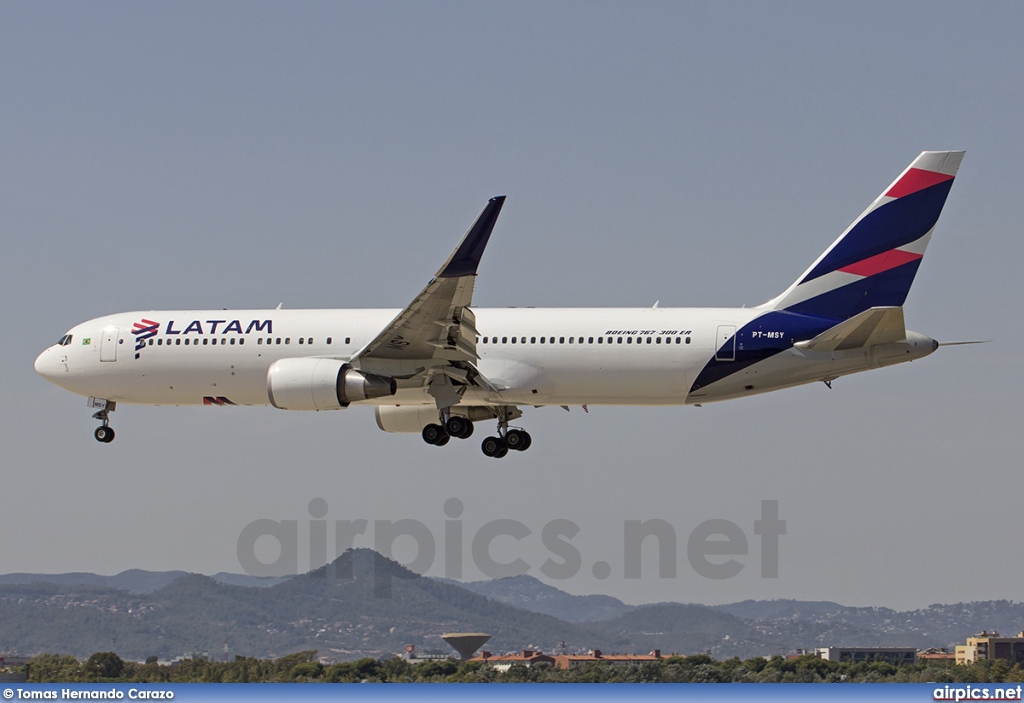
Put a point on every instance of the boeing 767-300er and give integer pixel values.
(440, 365)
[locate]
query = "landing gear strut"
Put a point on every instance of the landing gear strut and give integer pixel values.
(104, 433)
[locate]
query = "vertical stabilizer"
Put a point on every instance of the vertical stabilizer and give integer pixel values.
(873, 263)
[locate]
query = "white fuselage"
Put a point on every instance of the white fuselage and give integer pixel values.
(531, 356)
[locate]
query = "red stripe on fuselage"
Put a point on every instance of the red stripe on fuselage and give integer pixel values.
(881, 262)
(914, 180)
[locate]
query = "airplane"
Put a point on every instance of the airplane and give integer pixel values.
(440, 365)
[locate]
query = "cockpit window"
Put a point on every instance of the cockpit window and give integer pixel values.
(65, 340)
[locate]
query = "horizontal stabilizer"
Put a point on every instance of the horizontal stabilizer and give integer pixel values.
(880, 325)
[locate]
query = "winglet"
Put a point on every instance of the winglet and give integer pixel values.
(466, 257)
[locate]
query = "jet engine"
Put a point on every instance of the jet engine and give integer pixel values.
(322, 384)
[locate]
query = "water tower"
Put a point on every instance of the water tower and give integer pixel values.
(466, 643)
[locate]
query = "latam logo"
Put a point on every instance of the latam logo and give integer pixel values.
(218, 400)
(144, 330)
(214, 327)
(147, 329)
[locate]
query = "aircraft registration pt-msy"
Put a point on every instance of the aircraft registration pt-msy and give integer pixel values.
(440, 365)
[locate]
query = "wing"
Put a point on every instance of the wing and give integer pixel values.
(436, 333)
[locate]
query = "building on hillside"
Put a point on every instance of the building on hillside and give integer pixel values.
(990, 645)
(414, 657)
(937, 655)
(892, 655)
(504, 662)
(569, 661)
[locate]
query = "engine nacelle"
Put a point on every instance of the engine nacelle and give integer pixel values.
(322, 384)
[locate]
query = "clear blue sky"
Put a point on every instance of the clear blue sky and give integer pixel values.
(209, 155)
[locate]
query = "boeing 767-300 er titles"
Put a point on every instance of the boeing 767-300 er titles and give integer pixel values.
(440, 365)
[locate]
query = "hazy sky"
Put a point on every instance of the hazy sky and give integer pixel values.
(210, 155)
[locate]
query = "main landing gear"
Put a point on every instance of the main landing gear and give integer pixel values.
(438, 435)
(497, 447)
(461, 428)
(104, 433)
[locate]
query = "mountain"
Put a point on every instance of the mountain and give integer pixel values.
(771, 609)
(529, 593)
(678, 628)
(361, 605)
(366, 605)
(135, 580)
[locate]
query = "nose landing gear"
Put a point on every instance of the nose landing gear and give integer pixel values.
(104, 433)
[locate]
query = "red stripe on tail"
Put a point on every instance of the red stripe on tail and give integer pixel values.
(916, 179)
(881, 262)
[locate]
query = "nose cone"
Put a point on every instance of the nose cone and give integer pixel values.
(48, 364)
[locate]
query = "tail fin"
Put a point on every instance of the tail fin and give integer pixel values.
(873, 263)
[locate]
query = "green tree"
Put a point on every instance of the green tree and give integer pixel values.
(104, 665)
(54, 668)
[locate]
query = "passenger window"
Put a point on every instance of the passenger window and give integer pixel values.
(561, 340)
(504, 340)
(590, 340)
(329, 340)
(648, 340)
(186, 341)
(241, 340)
(659, 340)
(348, 340)
(600, 340)
(205, 342)
(287, 340)
(151, 342)
(629, 340)
(260, 340)
(278, 341)
(533, 340)
(687, 340)
(619, 341)
(541, 340)
(513, 340)
(301, 340)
